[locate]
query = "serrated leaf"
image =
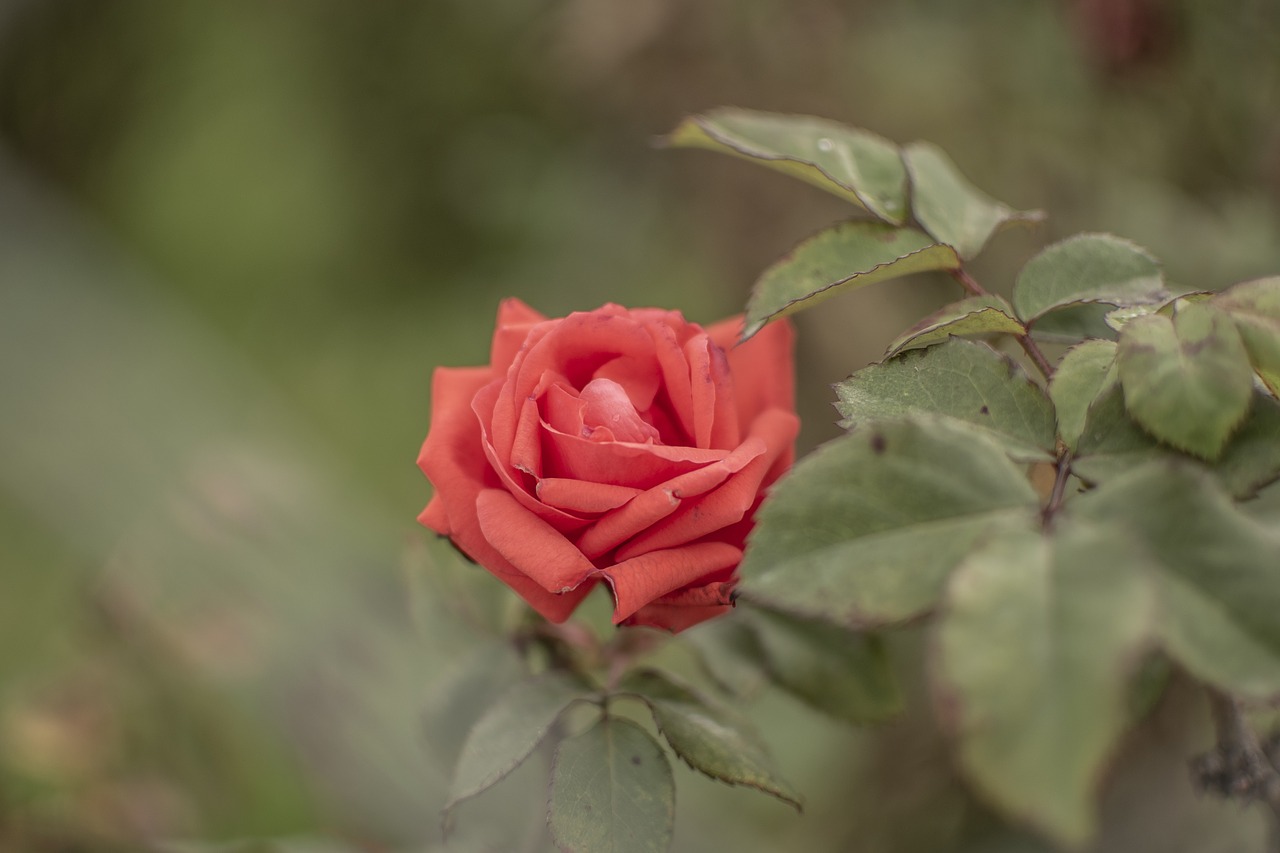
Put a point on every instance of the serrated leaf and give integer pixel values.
(1217, 583)
(843, 674)
(1186, 380)
(1084, 373)
(854, 164)
(977, 315)
(1073, 323)
(1040, 635)
(508, 732)
(1088, 268)
(1255, 308)
(1111, 445)
(844, 257)
(864, 531)
(710, 736)
(960, 379)
(611, 791)
(949, 207)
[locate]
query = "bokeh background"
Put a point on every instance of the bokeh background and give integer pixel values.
(235, 238)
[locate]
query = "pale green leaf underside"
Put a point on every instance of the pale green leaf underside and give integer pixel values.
(1186, 380)
(1083, 374)
(1216, 591)
(1088, 268)
(1255, 308)
(1111, 444)
(611, 791)
(843, 674)
(508, 732)
(841, 258)
(727, 652)
(864, 531)
(1039, 637)
(960, 379)
(949, 207)
(708, 735)
(855, 164)
(977, 315)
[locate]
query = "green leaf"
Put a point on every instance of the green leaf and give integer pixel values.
(1255, 308)
(960, 379)
(1186, 380)
(1088, 268)
(612, 791)
(1039, 637)
(1112, 445)
(506, 734)
(949, 207)
(728, 653)
(855, 164)
(1217, 590)
(710, 736)
(846, 256)
(1083, 374)
(977, 315)
(843, 674)
(864, 531)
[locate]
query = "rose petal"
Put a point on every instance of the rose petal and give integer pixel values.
(638, 376)
(520, 488)
(619, 463)
(581, 496)
(685, 608)
(728, 503)
(515, 319)
(452, 457)
(761, 367)
(675, 380)
(607, 405)
(641, 580)
(715, 414)
(534, 547)
(655, 504)
(577, 347)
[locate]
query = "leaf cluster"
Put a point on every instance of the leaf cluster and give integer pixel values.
(1061, 523)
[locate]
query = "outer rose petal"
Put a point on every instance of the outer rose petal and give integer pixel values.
(762, 367)
(515, 319)
(685, 608)
(452, 459)
(644, 579)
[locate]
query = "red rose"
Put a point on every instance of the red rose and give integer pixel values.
(628, 446)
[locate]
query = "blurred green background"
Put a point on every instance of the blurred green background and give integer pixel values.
(236, 237)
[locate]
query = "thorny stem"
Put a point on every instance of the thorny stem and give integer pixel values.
(1033, 352)
(1239, 766)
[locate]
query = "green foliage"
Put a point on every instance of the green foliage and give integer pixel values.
(1052, 605)
(854, 164)
(842, 674)
(1186, 380)
(709, 735)
(844, 257)
(960, 379)
(1255, 308)
(977, 316)
(508, 732)
(949, 207)
(1087, 268)
(864, 532)
(611, 791)
(1040, 635)
(1086, 370)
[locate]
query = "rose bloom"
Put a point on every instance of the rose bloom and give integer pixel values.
(627, 446)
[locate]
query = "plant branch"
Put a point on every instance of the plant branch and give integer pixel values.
(1239, 766)
(1062, 473)
(961, 275)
